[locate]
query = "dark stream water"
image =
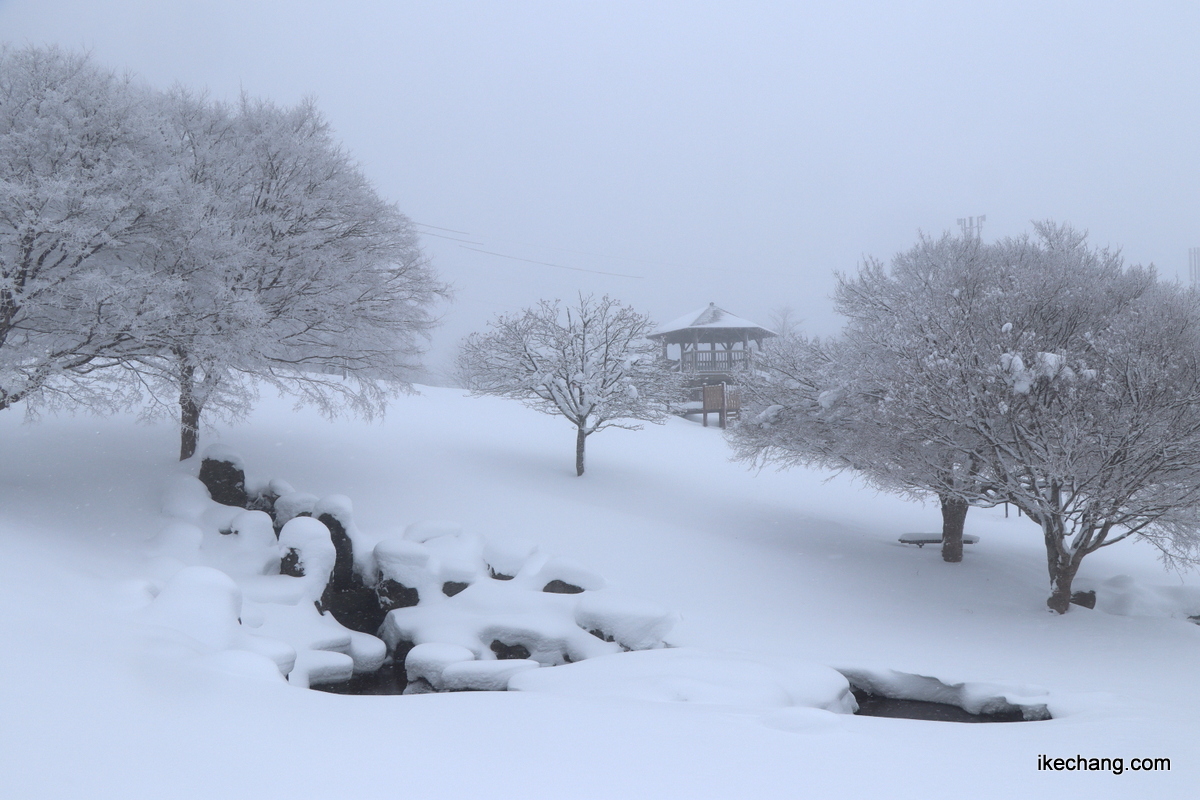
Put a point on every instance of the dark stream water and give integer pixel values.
(389, 680)
(385, 680)
(874, 706)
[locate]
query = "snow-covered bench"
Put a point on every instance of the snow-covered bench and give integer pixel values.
(922, 539)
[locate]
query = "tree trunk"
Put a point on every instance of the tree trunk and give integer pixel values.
(580, 438)
(189, 413)
(1063, 567)
(954, 516)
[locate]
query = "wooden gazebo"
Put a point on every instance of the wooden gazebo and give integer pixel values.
(714, 345)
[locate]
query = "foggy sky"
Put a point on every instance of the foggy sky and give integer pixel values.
(735, 152)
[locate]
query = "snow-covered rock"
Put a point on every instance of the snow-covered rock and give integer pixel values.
(426, 662)
(292, 505)
(630, 622)
(305, 541)
(459, 556)
(506, 557)
(315, 667)
(493, 615)
(435, 584)
(404, 566)
(225, 454)
(556, 572)
(224, 475)
(337, 513)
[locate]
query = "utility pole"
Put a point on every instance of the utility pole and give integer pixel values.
(972, 227)
(1194, 267)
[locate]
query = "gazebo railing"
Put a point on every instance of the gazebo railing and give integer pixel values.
(714, 361)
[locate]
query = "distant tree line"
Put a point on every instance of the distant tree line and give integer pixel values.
(166, 246)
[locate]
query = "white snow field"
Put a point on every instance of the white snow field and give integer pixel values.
(776, 576)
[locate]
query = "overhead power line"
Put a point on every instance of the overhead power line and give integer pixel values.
(548, 264)
(436, 228)
(451, 238)
(547, 247)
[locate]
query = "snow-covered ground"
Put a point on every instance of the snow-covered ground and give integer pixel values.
(767, 568)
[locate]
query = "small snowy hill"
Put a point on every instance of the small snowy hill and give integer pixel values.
(765, 568)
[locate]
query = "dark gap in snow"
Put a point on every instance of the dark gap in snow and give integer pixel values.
(388, 679)
(343, 568)
(356, 607)
(870, 705)
(557, 586)
(1086, 599)
(451, 588)
(393, 594)
(290, 564)
(506, 651)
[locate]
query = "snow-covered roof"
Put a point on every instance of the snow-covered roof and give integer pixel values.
(714, 320)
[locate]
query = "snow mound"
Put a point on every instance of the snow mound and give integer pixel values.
(693, 675)
(430, 529)
(185, 498)
(484, 676)
(1123, 596)
(205, 605)
(177, 539)
(244, 664)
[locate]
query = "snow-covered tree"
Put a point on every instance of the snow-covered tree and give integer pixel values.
(1089, 412)
(205, 249)
(834, 403)
(590, 363)
(82, 197)
(283, 265)
(806, 408)
(1039, 372)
